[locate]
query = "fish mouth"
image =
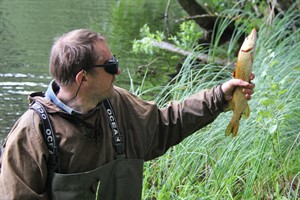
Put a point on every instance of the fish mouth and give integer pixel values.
(253, 33)
(247, 50)
(249, 44)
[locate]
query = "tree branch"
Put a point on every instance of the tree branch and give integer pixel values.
(200, 56)
(167, 9)
(204, 17)
(193, 8)
(205, 20)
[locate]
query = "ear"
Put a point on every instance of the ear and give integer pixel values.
(80, 77)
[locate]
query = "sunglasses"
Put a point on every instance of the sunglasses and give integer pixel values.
(110, 66)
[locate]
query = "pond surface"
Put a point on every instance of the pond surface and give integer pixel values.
(27, 29)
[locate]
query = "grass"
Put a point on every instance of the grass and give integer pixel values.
(262, 162)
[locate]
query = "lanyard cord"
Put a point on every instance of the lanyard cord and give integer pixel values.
(117, 139)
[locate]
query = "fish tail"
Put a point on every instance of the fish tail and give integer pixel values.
(232, 128)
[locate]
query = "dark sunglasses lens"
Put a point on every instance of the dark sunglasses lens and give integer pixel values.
(112, 65)
(112, 69)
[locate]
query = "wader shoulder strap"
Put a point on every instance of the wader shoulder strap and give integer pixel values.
(116, 135)
(49, 136)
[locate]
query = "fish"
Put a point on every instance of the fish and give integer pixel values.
(244, 65)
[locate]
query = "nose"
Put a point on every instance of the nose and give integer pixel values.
(118, 72)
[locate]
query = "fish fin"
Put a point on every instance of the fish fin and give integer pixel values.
(229, 106)
(235, 130)
(246, 112)
(232, 128)
(233, 74)
(228, 129)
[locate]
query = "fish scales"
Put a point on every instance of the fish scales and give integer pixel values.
(242, 71)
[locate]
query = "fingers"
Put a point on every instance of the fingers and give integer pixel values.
(248, 93)
(248, 89)
(252, 76)
(248, 96)
(244, 84)
(239, 82)
(249, 86)
(229, 86)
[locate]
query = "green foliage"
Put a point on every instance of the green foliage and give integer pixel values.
(145, 45)
(186, 38)
(262, 162)
(218, 6)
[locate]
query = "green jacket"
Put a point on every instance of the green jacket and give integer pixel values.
(84, 140)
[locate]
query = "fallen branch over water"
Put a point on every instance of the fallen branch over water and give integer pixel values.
(200, 56)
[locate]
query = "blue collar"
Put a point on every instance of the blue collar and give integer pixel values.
(53, 88)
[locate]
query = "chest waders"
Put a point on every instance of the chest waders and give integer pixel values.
(119, 179)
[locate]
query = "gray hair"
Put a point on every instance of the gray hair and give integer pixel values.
(71, 52)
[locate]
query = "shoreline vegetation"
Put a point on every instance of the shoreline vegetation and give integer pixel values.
(262, 162)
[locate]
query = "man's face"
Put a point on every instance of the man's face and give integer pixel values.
(101, 82)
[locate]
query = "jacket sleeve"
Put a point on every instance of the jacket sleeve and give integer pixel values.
(180, 119)
(160, 128)
(24, 170)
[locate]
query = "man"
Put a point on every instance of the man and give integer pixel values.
(103, 132)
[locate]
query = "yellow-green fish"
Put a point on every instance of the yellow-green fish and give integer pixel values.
(242, 71)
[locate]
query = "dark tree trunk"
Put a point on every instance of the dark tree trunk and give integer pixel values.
(205, 21)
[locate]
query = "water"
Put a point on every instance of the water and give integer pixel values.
(27, 29)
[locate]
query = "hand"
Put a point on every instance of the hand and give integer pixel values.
(229, 86)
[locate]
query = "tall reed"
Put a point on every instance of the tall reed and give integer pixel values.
(262, 162)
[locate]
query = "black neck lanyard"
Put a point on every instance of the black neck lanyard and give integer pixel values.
(117, 139)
